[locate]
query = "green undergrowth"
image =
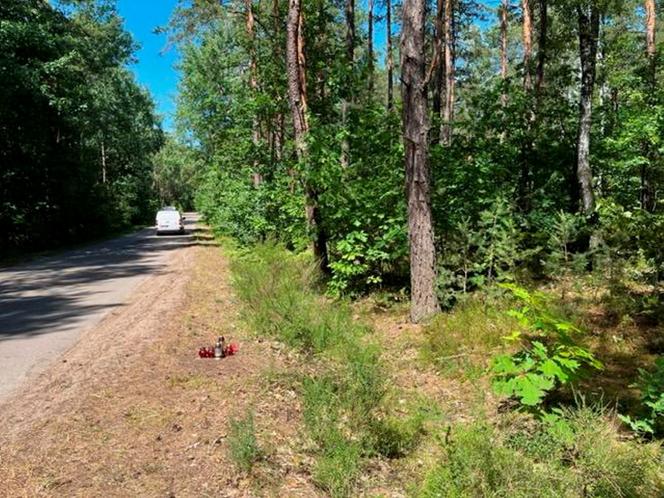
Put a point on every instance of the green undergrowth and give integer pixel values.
(278, 290)
(546, 450)
(346, 415)
(352, 416)
(533, 459)
(460, 342)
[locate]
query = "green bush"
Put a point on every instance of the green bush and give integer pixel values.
(478, 464)
(319, 402)
(480, 253)
(651, 384)
(276, 288)
(549, 356)
(242, 443)
(607, 466)
(336, 470)
(360, 261)
(363, 377)
(395, 437)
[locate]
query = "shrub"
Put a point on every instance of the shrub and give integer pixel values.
(651, 384)
(319, 402)
(276, 288)
(478, 464)
(336, 470)
(605, 465)
(359, 260)
(478, 254)
(395, 437)
(549, 354)
(340, 404)
(363, 378)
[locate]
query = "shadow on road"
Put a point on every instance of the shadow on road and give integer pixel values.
(60, 291)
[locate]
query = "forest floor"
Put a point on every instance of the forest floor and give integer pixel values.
(132, 411)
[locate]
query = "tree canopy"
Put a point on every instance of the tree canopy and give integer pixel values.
(77, 133)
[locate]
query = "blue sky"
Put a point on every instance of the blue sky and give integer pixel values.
(155, 67)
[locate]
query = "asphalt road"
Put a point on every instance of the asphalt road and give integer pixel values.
(46, 304)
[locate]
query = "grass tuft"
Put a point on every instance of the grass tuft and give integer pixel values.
(242, 443)
(338, 467)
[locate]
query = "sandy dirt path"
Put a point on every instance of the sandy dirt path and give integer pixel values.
(46, 304)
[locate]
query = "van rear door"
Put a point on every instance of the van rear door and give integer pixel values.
(168, 221)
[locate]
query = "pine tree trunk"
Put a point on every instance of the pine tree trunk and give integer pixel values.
(390, 60)
(424, 302)
(541, 45)
(504, 9)
(277, 120)
(448, 111)
(295, 70)
(588, 39)
(103, 162)
(257, 178)
(527, 43)
(370, 50)
(296, 99)
(350, 56)
(279, 136)
(349, 10)
(647, 195)
(525, 181)
(651, 46)
(439, 79)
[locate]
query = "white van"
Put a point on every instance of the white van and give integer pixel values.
(169, 220)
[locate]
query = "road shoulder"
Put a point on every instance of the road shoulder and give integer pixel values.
(132, 411)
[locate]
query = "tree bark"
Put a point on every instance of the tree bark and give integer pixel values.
(249, 25)
(588, 17)
(651, 47)
(390, 60)
(350, 60)
(424, 302)
(103, 162)
(439, 78)
(448, 111)
(257, 178)
(527, 43)
(647, 195)
(525, 181)
(297, 97)
(370, 50)
(504, 9)
(541, 45)
(349, 10)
